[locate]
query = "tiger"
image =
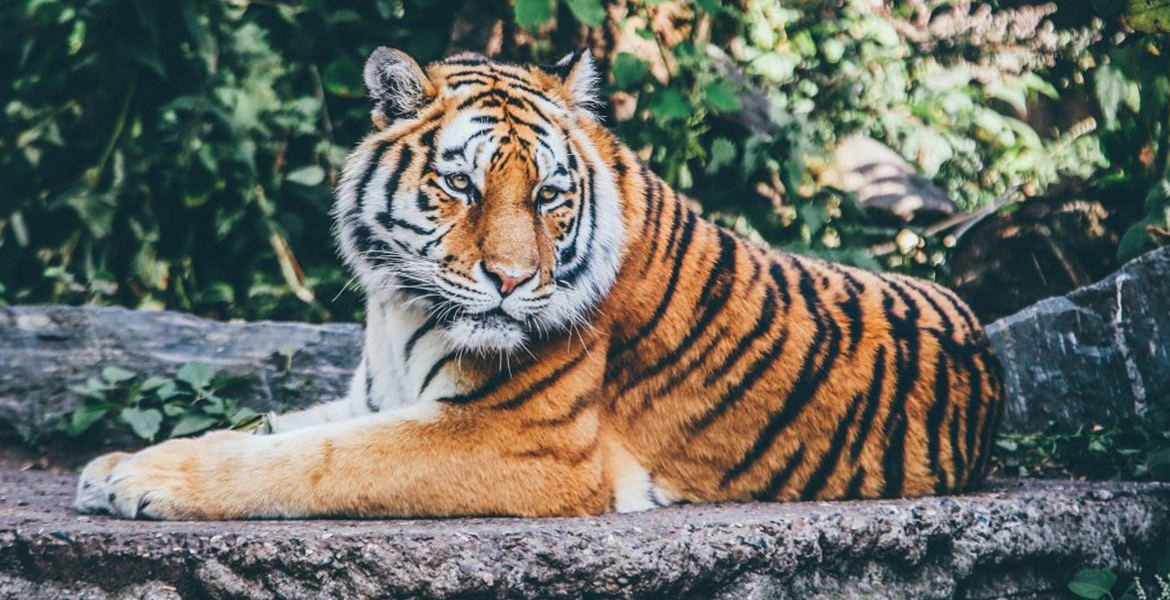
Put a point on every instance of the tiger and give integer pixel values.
(551, 330)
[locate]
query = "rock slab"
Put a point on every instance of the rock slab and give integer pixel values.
(1017, 539)
(44, 350)
(1099, 354)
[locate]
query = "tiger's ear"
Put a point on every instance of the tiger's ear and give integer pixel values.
(579, 74)
(398, 86)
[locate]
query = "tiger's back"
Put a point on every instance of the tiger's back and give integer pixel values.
(757, 374)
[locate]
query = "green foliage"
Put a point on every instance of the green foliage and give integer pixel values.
(1092, 583)
(1096, 584)
(181, 155)
(1136, 449)
(155, 407)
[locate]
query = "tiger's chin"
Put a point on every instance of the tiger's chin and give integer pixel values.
(489, 332)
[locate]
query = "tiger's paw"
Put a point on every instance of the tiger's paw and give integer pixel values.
(92, 494)
(161, 482)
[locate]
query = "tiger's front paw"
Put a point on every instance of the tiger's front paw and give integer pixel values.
(92, 484)
(173, 480)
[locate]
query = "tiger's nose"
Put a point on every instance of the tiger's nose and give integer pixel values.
(506, 279)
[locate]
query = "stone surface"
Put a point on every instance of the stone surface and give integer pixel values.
(1018, 539)
(1100, 353)
(46, 349)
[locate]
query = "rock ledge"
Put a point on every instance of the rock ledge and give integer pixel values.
(1018, 539)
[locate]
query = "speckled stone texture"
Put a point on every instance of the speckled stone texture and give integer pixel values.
(1017, 539)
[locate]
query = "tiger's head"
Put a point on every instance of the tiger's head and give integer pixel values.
(483, 197)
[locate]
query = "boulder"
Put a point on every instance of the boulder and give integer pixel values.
(45, 350)
(1099, 354)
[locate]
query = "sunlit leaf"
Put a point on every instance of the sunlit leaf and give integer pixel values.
(589, 12)
(144, 422)
(196, 374)
(192, 424)
(721, 96)
(669, 105)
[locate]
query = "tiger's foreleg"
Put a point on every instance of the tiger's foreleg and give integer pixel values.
(430, 460)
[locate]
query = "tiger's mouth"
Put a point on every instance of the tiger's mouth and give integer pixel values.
(494, 329)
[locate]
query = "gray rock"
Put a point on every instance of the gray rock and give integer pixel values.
(885, 183)
(1098, 354)
(1018, 539)
(46, 349)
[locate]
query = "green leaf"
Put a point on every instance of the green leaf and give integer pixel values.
(343, 78)
(589, 12)
(1159, 465)
(196, 374)
(144, 422)
(244, 417)
(117, 374)
(628, 71)
(192, 424)
(308, 176)
(711, 6)
(669, 105)
(1149, 16)
(154, 381)
(1115, 90)
(167, 390)
(84, 417)
(1092, 583)
(531, 14)
(722, 154)
(721, 96)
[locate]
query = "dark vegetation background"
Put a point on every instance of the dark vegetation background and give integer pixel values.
(181, 154)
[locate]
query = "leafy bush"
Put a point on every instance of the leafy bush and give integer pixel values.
(121, 402)
(181, 155)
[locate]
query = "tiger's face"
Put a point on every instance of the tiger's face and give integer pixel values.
(482, 198)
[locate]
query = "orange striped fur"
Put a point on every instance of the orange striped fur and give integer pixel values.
(598, 346)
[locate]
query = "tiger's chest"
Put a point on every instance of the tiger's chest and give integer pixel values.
(406, 359)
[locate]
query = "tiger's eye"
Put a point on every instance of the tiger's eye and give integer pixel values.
(459, 181)
(548, 193)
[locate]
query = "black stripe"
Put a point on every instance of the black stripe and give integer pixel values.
(853, 490)
(369, 383)
(720, 280)
(934, 421)
(905, 332)
(736, 392)
(873, 400)
(688, 231)
(371, 168)
(489, 386)
(434, 370)
(541, 384)
(764, 319)
(418, 334)
(971, 419)
(389, 223)
(829, 460)
(680, 375)
(781, 477)
(827, 335)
